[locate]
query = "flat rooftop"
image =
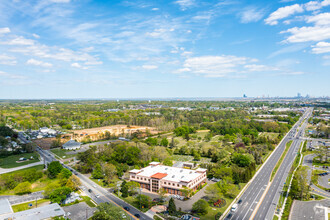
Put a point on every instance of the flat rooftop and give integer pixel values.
(174, 174)
(44, 212)
(5, 207)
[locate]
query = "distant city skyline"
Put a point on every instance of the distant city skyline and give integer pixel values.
(65, 49)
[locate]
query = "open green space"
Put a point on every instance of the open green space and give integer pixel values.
(63, 154)
(25, 206)
(88, 201)
(287, 147)
(13, 160)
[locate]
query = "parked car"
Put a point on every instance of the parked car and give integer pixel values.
(137, 215)
(90, 190)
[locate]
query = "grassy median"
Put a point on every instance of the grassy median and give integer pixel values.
(287, 147)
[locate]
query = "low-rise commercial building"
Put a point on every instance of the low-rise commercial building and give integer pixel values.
(172, 179)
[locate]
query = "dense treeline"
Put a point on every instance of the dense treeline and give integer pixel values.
(89, 114)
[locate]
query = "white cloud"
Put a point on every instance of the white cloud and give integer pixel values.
(321, 47)
(287, 11)
(11, 76)
(77, 65)
(304, 34)
(19, 41)
(319, 19)
(149, 67)
(36, 36)
(251, 15)
(258, 68)
(38, 63)
(214, 66)
(4, 30)
(7, 60)
(184, 4)
(316, 5)
(283, 12)
(155, 9)
(94, 62)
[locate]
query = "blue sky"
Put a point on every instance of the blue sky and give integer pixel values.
(178, 48)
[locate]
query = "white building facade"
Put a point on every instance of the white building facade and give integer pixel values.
(172, 179)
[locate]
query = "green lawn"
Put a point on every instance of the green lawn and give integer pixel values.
(88, 201)
(39, 185)
(25, 206)
(270, 135)
(10, 161)
(62, 153)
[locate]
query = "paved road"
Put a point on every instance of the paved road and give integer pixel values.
(308, 161)
(2, 170)
(268, 205)
(104, 195)
(258, 185)
(25, 198)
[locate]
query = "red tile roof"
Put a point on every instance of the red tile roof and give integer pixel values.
(159, 175)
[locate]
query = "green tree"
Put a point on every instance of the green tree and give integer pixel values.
(171, 207)
(186, 191)
(168, 161)
(143, 200)
(108, 211)
(97, 172)
(73, 183)
(164, 142)
(124, 189)
(132, 187)
(23, 188)
(54, 168)
(59, 194)
(200, 207)
(110, 171)
(65, 174)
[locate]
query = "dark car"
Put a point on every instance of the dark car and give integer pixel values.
(126, 208)
(89, 190)
(137, 215)
(239, 201)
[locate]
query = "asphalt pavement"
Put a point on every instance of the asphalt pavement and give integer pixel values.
(98, 194)
(256, 188)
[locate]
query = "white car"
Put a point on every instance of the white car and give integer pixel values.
(234, 207)
(97, 196)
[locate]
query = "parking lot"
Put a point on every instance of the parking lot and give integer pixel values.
(80, 211)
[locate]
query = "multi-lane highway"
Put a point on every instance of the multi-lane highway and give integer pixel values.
(98, 194)
(252, 196)
(269, 203)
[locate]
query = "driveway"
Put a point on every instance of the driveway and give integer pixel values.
(187, 205)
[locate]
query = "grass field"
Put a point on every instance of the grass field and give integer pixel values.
(10, 161)
(39, 185)
(62, 153)
(25, 206)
